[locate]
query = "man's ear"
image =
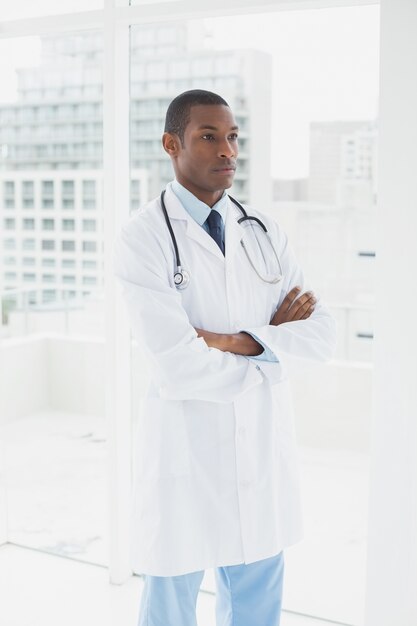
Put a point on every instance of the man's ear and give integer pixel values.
(171, 144)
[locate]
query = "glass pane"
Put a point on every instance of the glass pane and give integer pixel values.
(303, 87)
(50, 160)
(22, 9)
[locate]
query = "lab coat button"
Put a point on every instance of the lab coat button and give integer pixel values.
(257, 367)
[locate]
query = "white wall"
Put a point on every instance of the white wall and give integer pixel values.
(392, 543)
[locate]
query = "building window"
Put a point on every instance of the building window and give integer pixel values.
(9, 223)
(9, 260)
(48, 295)
(28, 188)
(28, 244)
(28, 260)
(48, 224)
(89, 246)
(29, 278)
(9, 244)
(48, 244)
(48, 278)
(28, 194)
(48, 262)
(68, 263)
(10, 276)
(89, 280)
(47, 194)
(8, 188)
(87, 264)
(29, 224)
(47, 188)
(89, 225)
(68, 224)
(68, 245)
(68, 279)
(89, 194)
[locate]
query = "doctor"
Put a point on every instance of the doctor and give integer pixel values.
(216, 477)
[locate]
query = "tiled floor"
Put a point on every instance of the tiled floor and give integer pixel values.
(39, 589)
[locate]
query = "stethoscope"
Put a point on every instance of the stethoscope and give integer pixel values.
(182, 277)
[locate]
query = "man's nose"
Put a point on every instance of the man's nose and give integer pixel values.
(227, 150)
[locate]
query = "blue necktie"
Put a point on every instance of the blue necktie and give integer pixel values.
(214, 222)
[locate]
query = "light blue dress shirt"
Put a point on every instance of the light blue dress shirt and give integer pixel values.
(200, 211)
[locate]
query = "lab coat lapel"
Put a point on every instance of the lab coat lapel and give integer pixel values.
(193, 230)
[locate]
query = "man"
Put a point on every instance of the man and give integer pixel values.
(219, 309)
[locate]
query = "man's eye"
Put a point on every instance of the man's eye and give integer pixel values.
(208, 137)
(234, 136)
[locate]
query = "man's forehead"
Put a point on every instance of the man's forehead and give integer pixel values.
(211, 116)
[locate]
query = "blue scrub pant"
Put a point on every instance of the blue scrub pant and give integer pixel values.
(246, 594)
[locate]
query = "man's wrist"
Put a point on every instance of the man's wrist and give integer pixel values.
(244, 344)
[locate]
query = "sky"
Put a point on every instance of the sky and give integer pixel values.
(325, 67)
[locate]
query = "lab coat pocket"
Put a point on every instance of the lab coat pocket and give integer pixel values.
(161, 439)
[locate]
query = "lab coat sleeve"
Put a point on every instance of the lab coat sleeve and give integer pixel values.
(266, 355)
(181, 363)
(314, 338)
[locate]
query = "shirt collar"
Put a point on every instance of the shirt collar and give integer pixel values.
(196, 208)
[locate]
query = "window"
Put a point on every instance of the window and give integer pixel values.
(68, 263)
(28, 188)
(87, 264)
(9, 260)
(28, 224)
(28, 244)
(10, 276)
(48, 244)
(47, 262)
(68, 245)
(48, 278)
(9, 197)
(9, 223)
(28, 260)
(68, 188)
(29, 278)
(47, 188)
(89, 225)
(89, 246)
(68, 279)
(48, 295)
(89, 194)
(48, 224)
(68, 224)
(9, 244)
(89, 280)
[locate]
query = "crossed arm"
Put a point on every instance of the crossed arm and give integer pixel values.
(291, 309)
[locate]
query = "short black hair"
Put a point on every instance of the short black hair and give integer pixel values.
(178, 112)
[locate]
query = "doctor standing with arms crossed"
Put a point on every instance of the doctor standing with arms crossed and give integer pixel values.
(219, 305)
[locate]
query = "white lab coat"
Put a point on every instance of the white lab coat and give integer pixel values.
(216, 470)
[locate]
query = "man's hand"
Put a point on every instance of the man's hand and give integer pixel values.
(291, 309)
(237, 343)
(294, 308)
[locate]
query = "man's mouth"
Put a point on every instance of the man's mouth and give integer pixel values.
(226, 169)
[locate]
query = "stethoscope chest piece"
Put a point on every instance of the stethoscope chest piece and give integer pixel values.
(181, 278)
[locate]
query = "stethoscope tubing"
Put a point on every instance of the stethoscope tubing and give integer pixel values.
(181, 277)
